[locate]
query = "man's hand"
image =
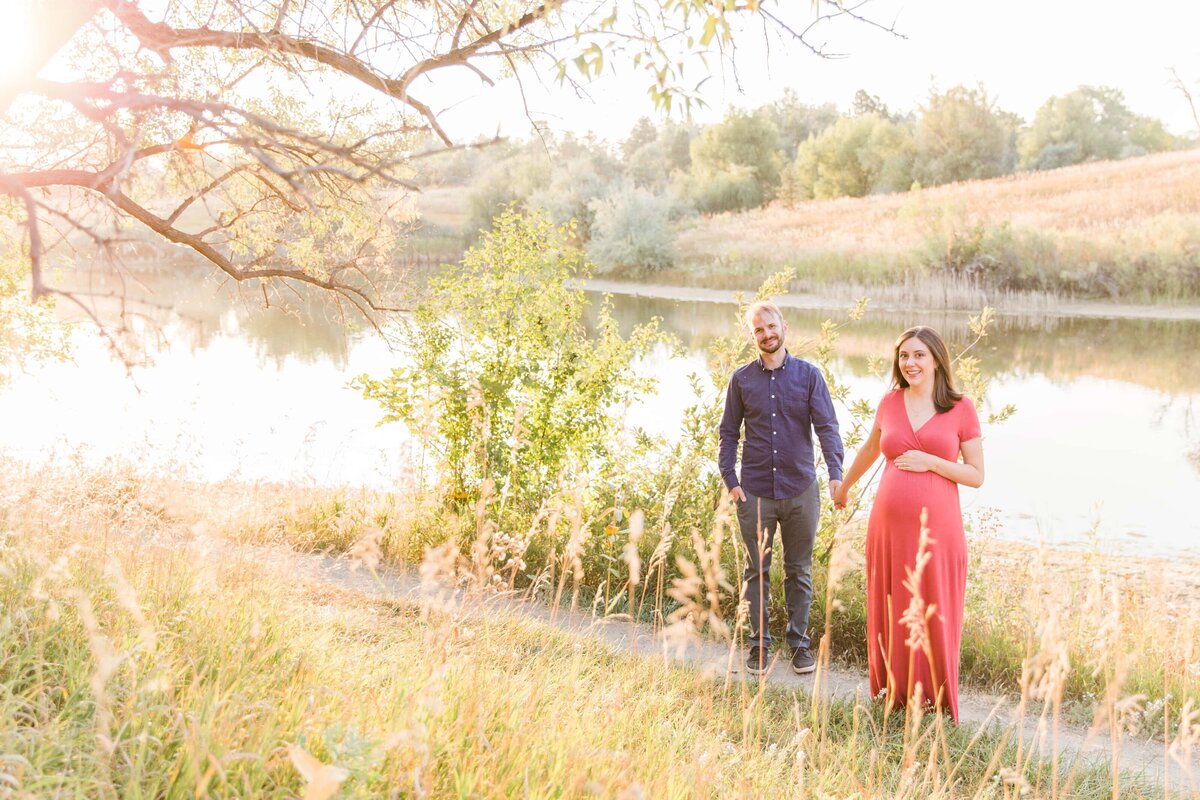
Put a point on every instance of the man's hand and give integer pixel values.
(833, 488)
(737, 494)
(841, 495)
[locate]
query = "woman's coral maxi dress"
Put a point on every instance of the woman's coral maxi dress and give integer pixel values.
(893, 536)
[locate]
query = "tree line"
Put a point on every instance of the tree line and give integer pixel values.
(626, 197)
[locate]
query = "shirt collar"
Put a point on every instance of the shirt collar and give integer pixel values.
(787, 358)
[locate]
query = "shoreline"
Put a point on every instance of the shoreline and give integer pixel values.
(1093, 309)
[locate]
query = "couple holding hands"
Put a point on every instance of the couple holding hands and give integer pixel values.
(923, 427)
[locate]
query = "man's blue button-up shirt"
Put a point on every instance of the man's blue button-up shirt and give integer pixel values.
(780, 408)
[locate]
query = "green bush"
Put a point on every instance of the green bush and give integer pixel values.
(632, 231)
(502, 382)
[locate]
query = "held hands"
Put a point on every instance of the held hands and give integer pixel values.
(916, 461)
(840, 492)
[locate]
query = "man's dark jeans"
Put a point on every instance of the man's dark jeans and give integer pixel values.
(797, 519)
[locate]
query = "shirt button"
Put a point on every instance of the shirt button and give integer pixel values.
(773, 432)
(772, 397)
(773, 469)
(772, 413)
(774, 451)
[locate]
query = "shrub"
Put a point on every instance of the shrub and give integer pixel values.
(1054, 156)
(632, 230)
(502, 380)
(573, 185)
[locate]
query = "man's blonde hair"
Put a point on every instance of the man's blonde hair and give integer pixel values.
(762, 305)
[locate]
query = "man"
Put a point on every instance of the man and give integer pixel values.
(781, 400)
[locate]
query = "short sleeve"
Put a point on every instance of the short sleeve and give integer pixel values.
(968, 420)
(878, 423)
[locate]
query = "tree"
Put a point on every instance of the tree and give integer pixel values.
(857, 156)
(642, 134)
(274, 139)
(676, 138)
(797, 121)
(1180, 85)
(961, 136)
(574, 184)
(507, 183)
(866, 103)
(654, 163)
(743, 144)
(1091, 123)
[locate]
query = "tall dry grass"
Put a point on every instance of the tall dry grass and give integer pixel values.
(1128, 229)
(146, 658)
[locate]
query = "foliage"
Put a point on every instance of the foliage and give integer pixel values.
(857, 156)
(506, 183)
(797, 121)
(641, 134)
(29, 332)
(632, 230)
(574, 185)
(961, 136)
(866, 103)
(744, 144)
(1091, 123)
(503, 383)
(731, 189)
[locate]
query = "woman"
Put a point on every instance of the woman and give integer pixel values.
(922, 427)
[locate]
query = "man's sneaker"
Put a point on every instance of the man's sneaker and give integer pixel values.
(802, 661)
(758, 660)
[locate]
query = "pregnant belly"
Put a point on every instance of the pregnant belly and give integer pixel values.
(902, 495)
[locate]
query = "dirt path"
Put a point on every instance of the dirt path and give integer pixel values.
(1135, 757)
(1058, 308)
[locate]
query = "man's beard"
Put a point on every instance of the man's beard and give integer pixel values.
(772, 350)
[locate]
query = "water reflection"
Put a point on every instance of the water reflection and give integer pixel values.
(1106, 439)
(1108, 421)
(1159, 354)
(173, 309)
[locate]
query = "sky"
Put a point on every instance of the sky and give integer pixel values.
(1022, 51)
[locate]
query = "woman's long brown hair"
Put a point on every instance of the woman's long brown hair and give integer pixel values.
(944, 393)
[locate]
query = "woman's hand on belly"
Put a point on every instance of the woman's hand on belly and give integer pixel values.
(916, 461)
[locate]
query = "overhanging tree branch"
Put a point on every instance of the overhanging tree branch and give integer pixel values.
(167, 127)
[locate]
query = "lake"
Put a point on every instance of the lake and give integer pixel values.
(1105, 444)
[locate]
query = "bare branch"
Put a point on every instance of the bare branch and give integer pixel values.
(1181, 85)
(161, 38)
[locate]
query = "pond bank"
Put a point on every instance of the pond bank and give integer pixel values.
(1016, 306)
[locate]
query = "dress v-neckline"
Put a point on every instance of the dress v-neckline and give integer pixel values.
(916, 430)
